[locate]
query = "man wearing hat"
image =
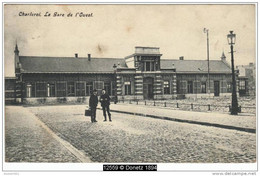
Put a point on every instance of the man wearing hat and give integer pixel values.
(105, 102)
(93, 101)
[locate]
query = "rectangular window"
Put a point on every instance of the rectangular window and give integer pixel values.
(80, 88)
(147, 66)
(71, 89)
(41, 90)
(99, 85)
(152, 66)
(166, 87)
(242, 85)
(89, 88)
(196, 86)
(190, 87)
(203, 87)
(33, 90)
(223, 84)
(127, 88)
(108, 88)
(183, 87)
(229, 87)
(61, 89)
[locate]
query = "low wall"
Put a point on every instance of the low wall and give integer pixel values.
(207, 95)
(130, 97)
(85, 99)
(141, 97)
(165, 97)
(55, 100)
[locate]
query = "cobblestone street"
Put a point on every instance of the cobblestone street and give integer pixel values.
(27, 141)
(127, 139)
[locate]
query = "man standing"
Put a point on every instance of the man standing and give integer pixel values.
(93, 101)
(105, 102)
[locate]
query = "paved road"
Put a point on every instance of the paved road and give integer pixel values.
(27, 141)
(241, 121)
(139, 139)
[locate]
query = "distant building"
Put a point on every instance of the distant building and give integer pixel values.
(247, 78)
(10, 87)
(142, 75)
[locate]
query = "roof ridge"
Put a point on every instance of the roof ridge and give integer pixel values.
(188, 60)
(60, 57)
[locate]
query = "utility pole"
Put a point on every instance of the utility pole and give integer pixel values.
(207, 31)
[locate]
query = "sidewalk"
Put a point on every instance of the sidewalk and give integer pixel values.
(27, 139)
(241, 122)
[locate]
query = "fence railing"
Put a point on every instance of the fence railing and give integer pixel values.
(190, 106)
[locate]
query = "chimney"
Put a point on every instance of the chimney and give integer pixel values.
(76, 55)
(89, 57)
(173, 67)
(181, 57)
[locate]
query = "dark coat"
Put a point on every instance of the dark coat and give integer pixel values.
(93, 101)
(105, 100)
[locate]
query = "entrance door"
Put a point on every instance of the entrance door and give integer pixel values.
(148, 88)
(150, 91)
(216, 88)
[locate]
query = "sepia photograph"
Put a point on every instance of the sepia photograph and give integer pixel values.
(130, 87)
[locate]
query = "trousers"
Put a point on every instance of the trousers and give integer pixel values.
(106, 109)
(93, 114)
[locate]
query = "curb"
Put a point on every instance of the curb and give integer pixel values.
(249, 130)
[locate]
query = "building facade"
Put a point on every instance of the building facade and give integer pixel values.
(142, 75)
(10, 83)
(247, 77)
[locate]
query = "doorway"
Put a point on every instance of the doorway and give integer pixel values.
(216, 88)
(148, 88)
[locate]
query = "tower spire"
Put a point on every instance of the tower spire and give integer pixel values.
(223, 57)
(16, 56)
(16, 51)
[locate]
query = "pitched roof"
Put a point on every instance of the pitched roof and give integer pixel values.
(199, 66)
(35, 64)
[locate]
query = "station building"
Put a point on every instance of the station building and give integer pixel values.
(142, 75)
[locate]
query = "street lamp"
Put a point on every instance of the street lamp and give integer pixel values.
(231, 41)
(207, 31)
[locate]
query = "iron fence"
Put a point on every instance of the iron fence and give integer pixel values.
(189, 106)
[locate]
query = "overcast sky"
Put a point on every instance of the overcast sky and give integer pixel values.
(114, 31)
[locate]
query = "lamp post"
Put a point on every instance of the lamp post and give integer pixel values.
(231, 41)
(207, 31)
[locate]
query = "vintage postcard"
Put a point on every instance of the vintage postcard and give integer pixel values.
(130, 87)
